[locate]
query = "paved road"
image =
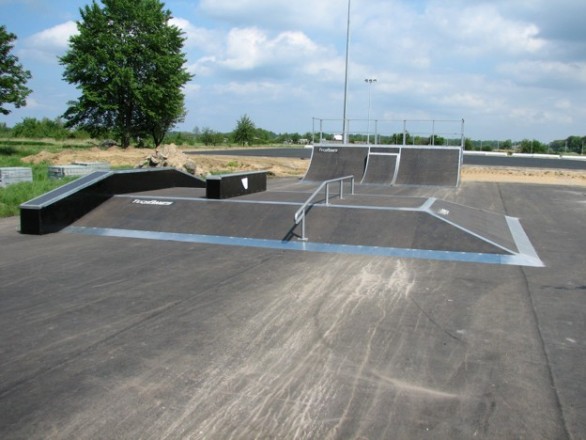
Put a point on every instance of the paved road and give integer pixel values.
(125, 338)
(503, 161)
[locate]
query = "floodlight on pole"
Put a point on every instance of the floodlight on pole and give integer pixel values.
(344, 121)
(369, 81)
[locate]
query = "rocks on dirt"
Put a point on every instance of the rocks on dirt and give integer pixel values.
(169, 156)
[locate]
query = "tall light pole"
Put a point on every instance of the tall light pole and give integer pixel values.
(369, 81)
(344, 123)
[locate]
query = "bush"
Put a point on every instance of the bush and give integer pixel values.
(33, 128)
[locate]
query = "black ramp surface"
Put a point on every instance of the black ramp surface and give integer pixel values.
(489, 225)
(330, 162)
(380, 169)
(401, 229)
(438, 166)
(334, 225)
(206, 217)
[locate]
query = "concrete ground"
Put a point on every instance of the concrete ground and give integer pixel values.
(104, 337)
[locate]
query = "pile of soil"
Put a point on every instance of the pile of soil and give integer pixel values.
(170, 155)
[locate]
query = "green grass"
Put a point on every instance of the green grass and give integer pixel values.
(12, 196)
(12, 151)
(27, 147)
(28, 142)
(11, 154)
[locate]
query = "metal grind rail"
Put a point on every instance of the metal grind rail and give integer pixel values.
(302, 211)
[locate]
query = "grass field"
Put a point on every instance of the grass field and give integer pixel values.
(11, 153)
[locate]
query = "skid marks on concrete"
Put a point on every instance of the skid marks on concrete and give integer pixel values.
(310, 360)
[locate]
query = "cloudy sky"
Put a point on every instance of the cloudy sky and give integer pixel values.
(512, 69)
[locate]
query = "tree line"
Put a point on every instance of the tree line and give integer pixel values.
(570, 145)
(247, 133)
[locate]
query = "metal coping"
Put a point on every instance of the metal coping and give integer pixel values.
(83, 182)
(468, 231)
(379, 146)
(395, 171)
(66, 190)
(372, 251)
(240, 174)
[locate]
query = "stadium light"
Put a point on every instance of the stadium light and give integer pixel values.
(344, 122)
(369, 81)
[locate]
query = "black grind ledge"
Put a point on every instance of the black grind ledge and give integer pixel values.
(57, 209)
(226, 186)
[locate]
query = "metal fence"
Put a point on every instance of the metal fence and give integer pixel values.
(434, 132)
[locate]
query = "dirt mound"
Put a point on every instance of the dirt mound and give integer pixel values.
(168, 156)
(115, 156)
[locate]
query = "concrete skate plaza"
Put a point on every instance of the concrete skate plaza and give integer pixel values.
(158, 335)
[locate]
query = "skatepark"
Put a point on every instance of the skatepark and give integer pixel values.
(398, 303)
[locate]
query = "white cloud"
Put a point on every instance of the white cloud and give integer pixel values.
(563, 104)
(56, 37)
(277, 14)
(250, 51)
(535, 116)
(48, 44)
(250, 48)
(476, 30)
(206, 40)
(561, 20)
(191, 89)
(204, 66)
(251, 88)
(253, 51)
(465, 100)
(32, 103)
(548, 74)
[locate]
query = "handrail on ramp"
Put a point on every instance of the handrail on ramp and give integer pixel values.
(302, 211)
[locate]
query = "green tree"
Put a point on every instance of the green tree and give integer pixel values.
(295, 138)
(5, 131)
(128, 63)
(262, 136)
(211, 137)
(245, 131)
(438, 141)
(44, 128)
(13, 77)
(574, 144)
(532, 146)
